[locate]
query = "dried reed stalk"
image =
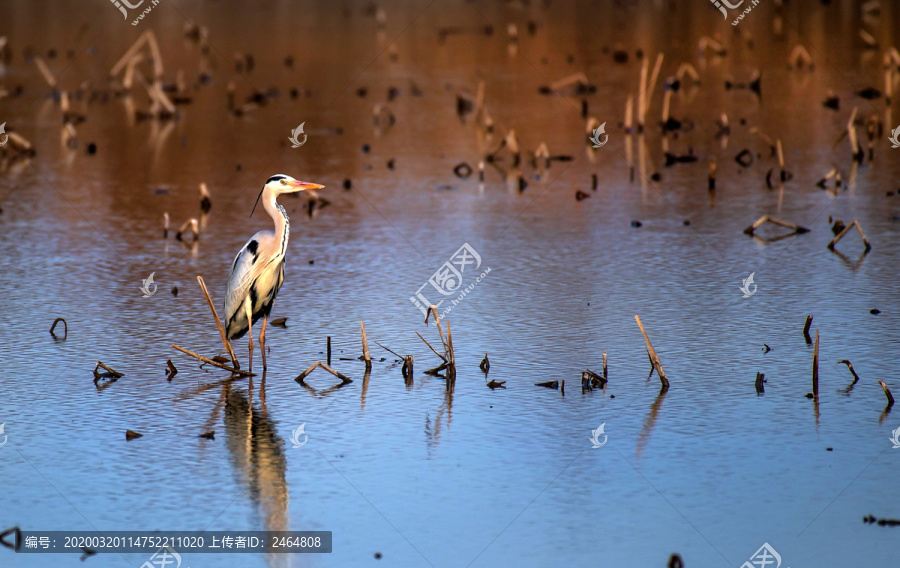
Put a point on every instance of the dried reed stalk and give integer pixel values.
(65, 327)
(653, 357)
(214, 363)
(222, 334)
(766, 219)
(846, 230)
(365, 346)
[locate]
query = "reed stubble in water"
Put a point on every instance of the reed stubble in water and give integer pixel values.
(300, 378)
(65, 328)
(887, 393)
(846, 230)
(654, 359)
(215, 314)
(806, 327)
(214, 363)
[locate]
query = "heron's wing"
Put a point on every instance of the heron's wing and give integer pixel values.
(246, 268)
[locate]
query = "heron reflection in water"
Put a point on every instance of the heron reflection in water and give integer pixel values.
(256, 451)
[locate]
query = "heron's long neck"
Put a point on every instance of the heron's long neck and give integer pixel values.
(282, 222)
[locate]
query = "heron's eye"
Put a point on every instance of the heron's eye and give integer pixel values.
(283, 182)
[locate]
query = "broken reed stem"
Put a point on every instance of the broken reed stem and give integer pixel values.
(149, 38)
(45, 71)
(328, 350)
(365, 346)
(642, 98)
(391, 350)
(154, 52)
(687, 69)
(312, 367)
(407, 369)
(780, 152)
(162, 97)
(109, 369)
(436, 370)
(653, 77)
(806, 326)
(766, 219)
(665, 109)
(887, 393)
(485, 364)
(214, 363)
(815, 367)
(65, 327)
(852, 370)
(604, 365)
(566, 81)
(128, 77)
(222, 334)
(760, 379)
(437, 320)
(20, 143)
(654, 359)
(888, 85)
(308, 370)
(851, 132)
(629, 113)
(171, 371)
(450, 345)
(343, 378)
(430, 347)
(128, 56)
(846, 230)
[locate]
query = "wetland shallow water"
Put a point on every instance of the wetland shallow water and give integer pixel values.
(418, 474)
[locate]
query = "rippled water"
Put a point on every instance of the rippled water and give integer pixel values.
(420, 474)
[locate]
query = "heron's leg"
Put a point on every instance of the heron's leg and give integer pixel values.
(262, 341)
(248, 309)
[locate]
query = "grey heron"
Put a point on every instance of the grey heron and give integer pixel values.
(258, 269)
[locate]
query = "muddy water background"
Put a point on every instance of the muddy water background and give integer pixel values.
(473, 477)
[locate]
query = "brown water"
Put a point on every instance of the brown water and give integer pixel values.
(422, 475)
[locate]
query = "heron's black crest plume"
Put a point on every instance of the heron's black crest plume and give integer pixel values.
(268, 181)
(257, 200)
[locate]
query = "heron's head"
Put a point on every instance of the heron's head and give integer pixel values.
(280, 183)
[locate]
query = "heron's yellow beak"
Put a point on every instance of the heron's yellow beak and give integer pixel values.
(304, 185)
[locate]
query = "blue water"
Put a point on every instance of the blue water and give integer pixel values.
(419, 474)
